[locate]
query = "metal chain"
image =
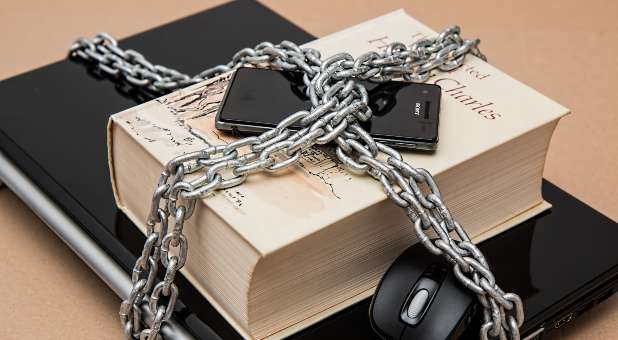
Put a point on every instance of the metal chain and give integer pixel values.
(338, 104)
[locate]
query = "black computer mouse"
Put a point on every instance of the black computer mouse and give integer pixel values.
(419, 297)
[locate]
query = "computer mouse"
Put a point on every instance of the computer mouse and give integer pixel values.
(419, 297)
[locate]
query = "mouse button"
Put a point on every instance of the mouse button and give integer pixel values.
(387, 301)
(445, 318)
(453, 294)
(418, 301)
(436, 272)
(392, 292)
(417, 306)
(440, 321)
(429, 284)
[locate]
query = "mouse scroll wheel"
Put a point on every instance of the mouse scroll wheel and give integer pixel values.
(417, 303)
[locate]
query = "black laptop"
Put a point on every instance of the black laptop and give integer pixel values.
(556, 261)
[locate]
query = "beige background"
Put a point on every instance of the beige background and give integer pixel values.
(565, 49)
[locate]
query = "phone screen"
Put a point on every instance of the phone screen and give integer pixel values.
(404, 114)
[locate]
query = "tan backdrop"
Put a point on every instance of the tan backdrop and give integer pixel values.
(565, 49)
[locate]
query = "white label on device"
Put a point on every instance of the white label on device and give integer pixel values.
(417, 109)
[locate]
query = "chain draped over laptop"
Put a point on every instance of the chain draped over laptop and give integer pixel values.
(338, 104)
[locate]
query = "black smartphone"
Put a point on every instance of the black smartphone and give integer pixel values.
(405, 115)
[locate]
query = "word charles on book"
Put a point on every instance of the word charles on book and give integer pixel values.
(450, 86)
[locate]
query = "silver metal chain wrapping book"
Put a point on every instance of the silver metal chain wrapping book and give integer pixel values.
(338, 104)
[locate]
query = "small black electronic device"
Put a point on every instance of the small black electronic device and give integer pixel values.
(419, 297)
(405, 115)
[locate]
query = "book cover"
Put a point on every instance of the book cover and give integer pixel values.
(492, 106)
(481, 108)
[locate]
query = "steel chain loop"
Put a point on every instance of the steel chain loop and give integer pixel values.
(339, 103)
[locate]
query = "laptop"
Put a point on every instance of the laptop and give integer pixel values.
(556, 261)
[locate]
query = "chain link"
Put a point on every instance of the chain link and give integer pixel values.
(339, 103)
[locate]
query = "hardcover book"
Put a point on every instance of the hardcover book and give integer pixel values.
(281, 252)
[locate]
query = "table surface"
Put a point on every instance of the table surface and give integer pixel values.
(564, 49)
